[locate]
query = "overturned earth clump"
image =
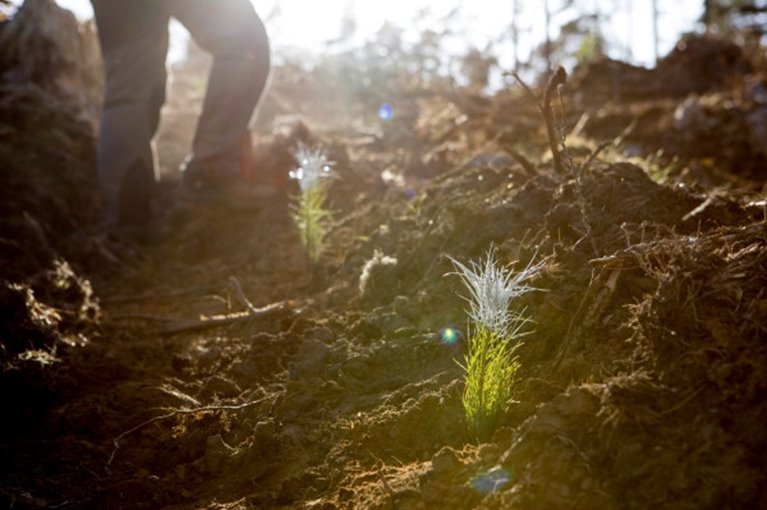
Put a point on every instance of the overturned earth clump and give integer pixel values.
(703, 109)
(48, 195)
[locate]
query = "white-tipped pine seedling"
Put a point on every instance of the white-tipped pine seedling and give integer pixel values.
(495, 329)
(309, 208)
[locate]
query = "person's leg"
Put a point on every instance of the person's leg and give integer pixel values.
(134, 42)
(233, 33)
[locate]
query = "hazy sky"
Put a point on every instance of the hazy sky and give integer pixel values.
(306, 23)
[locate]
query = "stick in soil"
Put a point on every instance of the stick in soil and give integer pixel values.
(387, 487)
(558, 78)
(615, 142)
(234, 284)
(171, 325)
(182, 326)
(602, 146)
(525, 163)
(394, 495)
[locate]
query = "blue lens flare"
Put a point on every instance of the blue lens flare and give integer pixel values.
(449, 336)
(386, 111)
(491, 481)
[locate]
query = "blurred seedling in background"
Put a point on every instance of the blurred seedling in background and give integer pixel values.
(494, 333)
(309, 209)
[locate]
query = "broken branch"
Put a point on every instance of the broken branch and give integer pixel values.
(558, 78)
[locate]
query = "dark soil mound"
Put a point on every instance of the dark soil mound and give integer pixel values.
(705, 105)
(48, 195)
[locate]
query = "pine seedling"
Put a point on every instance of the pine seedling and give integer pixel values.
(491, 365)
(309, 209)
(495, 330)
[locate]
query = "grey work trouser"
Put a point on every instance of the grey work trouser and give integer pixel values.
(134, 41)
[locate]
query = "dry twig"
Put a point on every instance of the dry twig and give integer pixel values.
(234, 284)
(544, 106)
(525, 163)
(185, 325)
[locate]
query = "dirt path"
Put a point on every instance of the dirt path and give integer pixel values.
(258, 413)
(134, 371)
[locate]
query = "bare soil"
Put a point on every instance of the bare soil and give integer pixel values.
(133, 376)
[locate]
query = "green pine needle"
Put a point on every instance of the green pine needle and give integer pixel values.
(491, 368)
(311, 216)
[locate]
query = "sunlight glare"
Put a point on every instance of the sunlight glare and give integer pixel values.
(310, 25)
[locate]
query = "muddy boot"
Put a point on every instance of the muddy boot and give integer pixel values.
(236, 186)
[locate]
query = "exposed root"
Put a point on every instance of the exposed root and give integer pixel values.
(178, 412)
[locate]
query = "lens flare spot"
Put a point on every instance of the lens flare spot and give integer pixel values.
(491, 481)
(450, 336)
(296, 174)
(386, 111)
